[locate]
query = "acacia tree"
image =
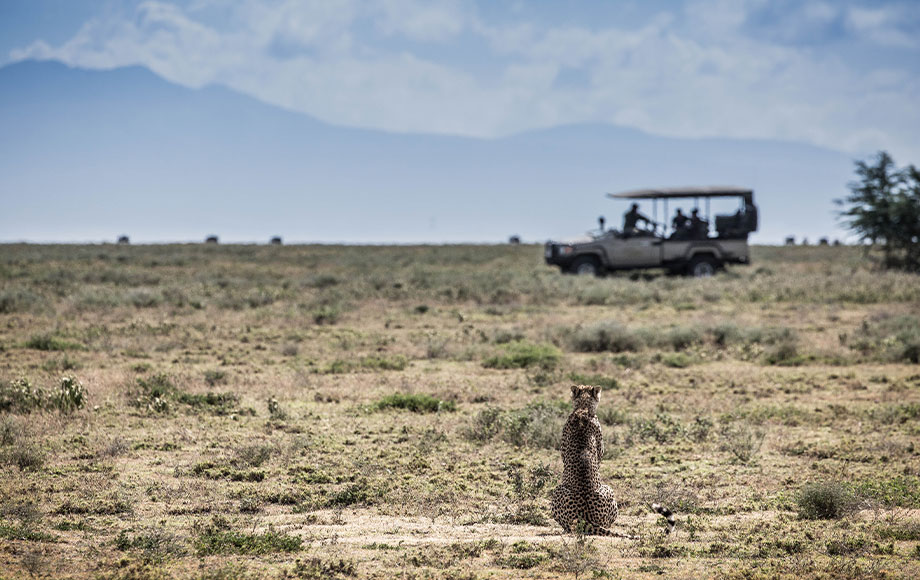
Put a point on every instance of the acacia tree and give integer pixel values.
(883, 208)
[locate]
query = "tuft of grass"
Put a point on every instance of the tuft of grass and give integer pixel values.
(417, 403)
(742, 441)
(520, 354)
(825, 501)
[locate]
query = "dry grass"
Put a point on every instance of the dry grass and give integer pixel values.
(322, 411)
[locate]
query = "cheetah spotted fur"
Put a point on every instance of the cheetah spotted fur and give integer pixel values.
(581, 501)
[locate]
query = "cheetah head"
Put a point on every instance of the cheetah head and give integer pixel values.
(585, 397)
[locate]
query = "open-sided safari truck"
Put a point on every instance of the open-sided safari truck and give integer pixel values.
(691, 249)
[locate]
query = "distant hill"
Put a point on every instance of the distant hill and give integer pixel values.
(88, 155)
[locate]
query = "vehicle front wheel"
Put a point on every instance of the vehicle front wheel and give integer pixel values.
(586, 266)
(702, 267)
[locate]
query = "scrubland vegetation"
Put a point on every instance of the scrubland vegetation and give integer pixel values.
(349, 412)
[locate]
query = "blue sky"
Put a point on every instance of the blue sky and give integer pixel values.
(843, 75)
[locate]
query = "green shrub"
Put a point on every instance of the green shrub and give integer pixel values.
(417, 403)
(327, 315)
(901, 491)
(19, 396)
(595, 380)
(213, 470)
(372, 363)
(26, 456)
(216, 403)
(606, 337)
(677, 360)
(825, 501)
(158, 394)
(18, 300)
(213, 541)
(275, 411)
(155, 544)
(536, 425)
(682, 337)
(319, 569)
(359, 492)
(69, 396)
(663, 428)
(25, 533)
(215, 377)
(742, 441)
(49, 342)
(519, 355)
(785, 353)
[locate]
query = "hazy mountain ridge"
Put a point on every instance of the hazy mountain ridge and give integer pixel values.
(91, 154)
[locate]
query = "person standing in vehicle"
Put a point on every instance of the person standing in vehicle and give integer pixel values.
(698, 226)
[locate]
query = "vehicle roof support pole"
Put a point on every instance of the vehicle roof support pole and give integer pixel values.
(664, 228)
(655, 210)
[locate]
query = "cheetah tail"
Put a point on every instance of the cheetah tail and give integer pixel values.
(668, 515)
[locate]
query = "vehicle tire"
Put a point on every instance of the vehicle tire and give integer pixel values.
(585, 266)
(704, 266)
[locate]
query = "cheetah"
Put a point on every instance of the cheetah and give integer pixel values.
(581, 499)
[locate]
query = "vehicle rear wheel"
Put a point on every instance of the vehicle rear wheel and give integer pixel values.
(702, 267)
(585, 266)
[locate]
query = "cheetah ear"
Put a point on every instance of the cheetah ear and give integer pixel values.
(575, 390)
(595, 392)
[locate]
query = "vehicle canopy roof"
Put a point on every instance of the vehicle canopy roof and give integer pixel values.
(677, 192)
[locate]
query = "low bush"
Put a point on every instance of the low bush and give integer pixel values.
(677, 360)
(596, 380)
(216, 538)
(158, 394)
(606, 337)
(536, 425)
(19, 300)
(417, 403)
(20, 396)
(319, 569)
(520, 354)
(889, 338)
(742, 441)
(50, 342)
(368, 363)
(825, 501)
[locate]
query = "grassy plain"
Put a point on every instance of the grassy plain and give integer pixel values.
(328, 411)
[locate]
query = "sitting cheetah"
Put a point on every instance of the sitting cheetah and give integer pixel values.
(581, 498)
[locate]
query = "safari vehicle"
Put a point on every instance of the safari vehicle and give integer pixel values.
(692, 251)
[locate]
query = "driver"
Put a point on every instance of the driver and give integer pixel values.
(632, 217)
